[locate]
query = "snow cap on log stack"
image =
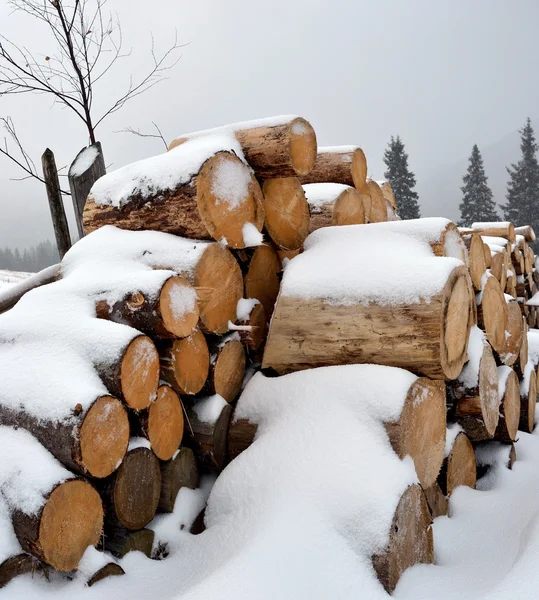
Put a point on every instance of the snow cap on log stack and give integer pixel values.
(202, 189)
(350, 298)
(334, 204)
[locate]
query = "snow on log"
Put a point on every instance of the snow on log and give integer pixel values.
(509, 392)
(274, 147)
(10, 297)
(55, 516)
(526, 231)
(388, 193)
(406, 309)
(255, 329)
(491, 458)
(207, 432)
(110, 262)
(227, 367)
(378, 210)
(334, 204)
(20, 564)
(200, 190)
(131, 495)
(415, 427)
(476, 258)
(339, 164)
(458, 467)
(474, 394)
(185, 363)
(528, 398)
(261, 267)
(180, 471)
(161, 424)
(492, 312)
(524, 356)
(287, 212)
(437, 502)
(504, 229)
(514, 333)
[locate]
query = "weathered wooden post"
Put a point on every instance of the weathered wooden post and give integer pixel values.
(59, 219)
(87, 168)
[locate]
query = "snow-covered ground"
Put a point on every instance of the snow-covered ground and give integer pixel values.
(289, 519)
(11, 278)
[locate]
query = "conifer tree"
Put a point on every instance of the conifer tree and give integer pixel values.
(522, 206)
(402, 180)
(477, 201)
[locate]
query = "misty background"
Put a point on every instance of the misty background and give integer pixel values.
(442, 75)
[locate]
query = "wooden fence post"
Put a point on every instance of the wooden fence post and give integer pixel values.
(87, 168)
(59, 219)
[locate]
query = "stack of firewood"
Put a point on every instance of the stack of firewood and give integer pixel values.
(187, 318)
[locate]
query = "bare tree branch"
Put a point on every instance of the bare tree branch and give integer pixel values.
(158, 135)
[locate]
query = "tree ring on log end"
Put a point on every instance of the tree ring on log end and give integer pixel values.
(165, 423)
(494, 313)
(359, 169)
(287, 212)
(139, 373)
(511, 406)
(461, 469)
(262, 279)
(104, 436)
(219, 284)
(303, 146)
(191, 363)
(488, 390)
(137, 488)
(72, 520)
(531, 402)
(348, 209)
(228, 197)
(178, 307)
(378, 211)
(230, 370)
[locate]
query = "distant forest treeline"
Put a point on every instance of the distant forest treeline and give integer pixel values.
(31, 259)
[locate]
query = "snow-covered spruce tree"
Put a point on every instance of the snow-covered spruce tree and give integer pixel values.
(522, 206)
(402, 180)
(477, 201)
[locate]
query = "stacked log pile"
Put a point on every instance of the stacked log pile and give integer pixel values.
(166, 330)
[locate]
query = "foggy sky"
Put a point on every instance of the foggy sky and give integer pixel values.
(444, 75)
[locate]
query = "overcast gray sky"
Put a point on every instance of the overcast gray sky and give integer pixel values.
(442, 74)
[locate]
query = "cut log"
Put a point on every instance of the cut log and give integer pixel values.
(227, 367)
(426, 338)
(21, 564)
(207, 433)
(499, 266)
(492, 314)
(162, 424)
(287, 212)
(419, 432)
(437, 502)
(339, 164)
(262, 278)
(255, 336)
(388, 193)
(514, 333)
(215, 202)
(185, 363)
(55, 516)
(180, 471)
(523, 357)
(410, 541)
(334, 204)
(378, 211)
(458, 467)
(476, 255)
(274, 147)
(503, 229)
(526, 231)
(172, 312)
(509, 391)
(474, 396)
(134, 377)
(92, 442)
(119, 541)
(528, 398)
(109, 570)
(132, 494)
(488, 256)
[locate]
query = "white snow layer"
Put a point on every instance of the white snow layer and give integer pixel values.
(245, 308)
(450, 436)
(491, 224)
(533, 345)
(251, 235)
(10, 278)
(469, 376)
(241, 126)
(164, 172)
(84, 161)
(318, 194)
(356, 264)
(209, 409)
(337, 150)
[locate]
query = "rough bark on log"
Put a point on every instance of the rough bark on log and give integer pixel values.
(410, 541)
(339, 164)
(180, 471)
(287, 212)
(185, 363)
(21, 564)
(427, 338)
(528, 399)
(132, 493)
(437, 502)
(334, 204)
(93, 442)
(509, 405)
(110, 570)
(502, 229)
(286, 149)
(119, 541)
(200, 209)
(208, 440)
(459, 466)
(262, 278)
(162, 424)
(378, 212)
(492, 314)
(227, 368)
